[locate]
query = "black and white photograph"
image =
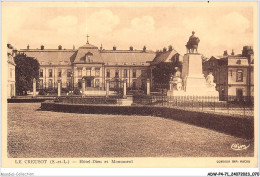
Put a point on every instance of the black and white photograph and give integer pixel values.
(109, 84)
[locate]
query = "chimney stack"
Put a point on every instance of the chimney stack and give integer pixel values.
(42, 47)
(60, 47)
(232, 53)
(144, 49)
(170, 48)
(28, 47)
(101, 47)
(114, 48)
(131, 48)
(225, 53)
(164, 49)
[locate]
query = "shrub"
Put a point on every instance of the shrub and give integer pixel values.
(42, 92)
(76, 91)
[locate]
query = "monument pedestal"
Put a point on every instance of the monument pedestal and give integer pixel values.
(194, 82)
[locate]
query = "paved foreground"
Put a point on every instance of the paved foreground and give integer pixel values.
(36, 133)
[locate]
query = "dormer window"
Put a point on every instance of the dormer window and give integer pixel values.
(89, 56)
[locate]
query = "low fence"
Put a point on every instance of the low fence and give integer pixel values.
(243, 107)
(87, 100)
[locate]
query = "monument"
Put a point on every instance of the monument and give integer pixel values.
(191, 81)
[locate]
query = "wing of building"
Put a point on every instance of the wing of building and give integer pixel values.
(233, 74)
(11, 71)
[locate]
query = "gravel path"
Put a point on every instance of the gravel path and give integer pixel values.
(36, 133)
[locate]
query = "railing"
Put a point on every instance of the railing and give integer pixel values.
(243, 107)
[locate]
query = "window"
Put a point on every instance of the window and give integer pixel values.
(41, 73)
(239, 62)
(68, 72)
(50, 83)
(108, 73)
(88, 71)
(143, 83)
(134, 84)
(97, 70)
(239, 75)
(134, 73)
(125, 72)
(50, 72)
(88, 59)
(117, 73)
(41, 83)
(68, 83)
(97, 83)
(59, 73)
(231, 73)
(143, 73)
(79, 83)
(79, 72)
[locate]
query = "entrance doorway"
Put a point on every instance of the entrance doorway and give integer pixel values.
(88, 83)
(239, 94)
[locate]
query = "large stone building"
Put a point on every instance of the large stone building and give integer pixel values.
(233, 74)
(11, 71)
(95, 65)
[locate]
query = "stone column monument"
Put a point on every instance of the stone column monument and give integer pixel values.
(148, 87)
(34, 87)
(59, 89)
(83, 87)
(107, 88)
(194, 82)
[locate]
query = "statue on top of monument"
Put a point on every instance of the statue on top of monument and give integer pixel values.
(193, 43)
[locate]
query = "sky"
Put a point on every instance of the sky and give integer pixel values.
(155, 26)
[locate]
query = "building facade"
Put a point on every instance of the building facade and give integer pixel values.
(233, 74)
(95, 65)
(11, 71)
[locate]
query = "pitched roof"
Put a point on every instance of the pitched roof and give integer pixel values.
(51, 57)
(127, 57)
(109, 57)
(164, 57)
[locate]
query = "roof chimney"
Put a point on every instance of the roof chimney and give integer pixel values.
(131, 48)
(28, 47)
(144, 49)
(232, 52)
(60, 47)
(225, 53)
(101, 47)
(170, 48)
(164, 49)
(73, 47)
(114, 48)
(42, 47)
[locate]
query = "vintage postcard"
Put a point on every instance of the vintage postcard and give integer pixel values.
(129, 84)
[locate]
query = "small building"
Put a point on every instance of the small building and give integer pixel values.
(165, 58)
(11, 71)
(233, 74)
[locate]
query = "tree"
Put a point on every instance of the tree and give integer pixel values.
(26, 69)
(163, 72)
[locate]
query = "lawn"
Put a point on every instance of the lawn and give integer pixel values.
(36, 133)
